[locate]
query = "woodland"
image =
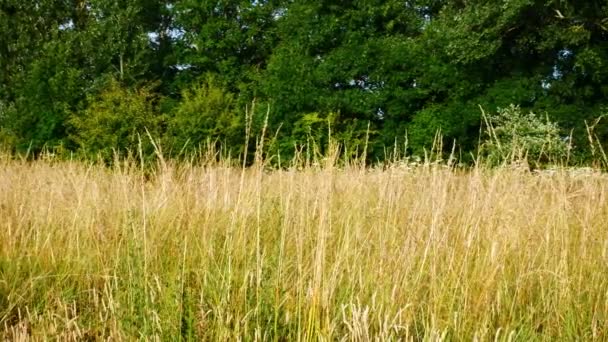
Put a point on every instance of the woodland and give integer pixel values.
(94, 78)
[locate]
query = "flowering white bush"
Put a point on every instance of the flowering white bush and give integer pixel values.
(514, 136)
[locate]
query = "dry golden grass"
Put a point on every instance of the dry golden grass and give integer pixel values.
(216, 252)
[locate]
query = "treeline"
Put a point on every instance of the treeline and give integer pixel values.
(92, 76)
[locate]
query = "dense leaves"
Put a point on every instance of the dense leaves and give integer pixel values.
(207, 111)
(372, 72)
(117, 120)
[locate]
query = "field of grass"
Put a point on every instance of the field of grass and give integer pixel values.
(218, 252)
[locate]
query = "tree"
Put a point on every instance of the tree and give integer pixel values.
(336, 58)
(378, 67)
(58, 52)
(544, 55)
(232, 39)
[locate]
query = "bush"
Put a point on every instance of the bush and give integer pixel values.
(7, 140)
(116, 121)
(514, 136)
(206, 111)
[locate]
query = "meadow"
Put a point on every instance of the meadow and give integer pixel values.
(327, 251)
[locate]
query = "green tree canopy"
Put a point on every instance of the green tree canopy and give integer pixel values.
(373, 67)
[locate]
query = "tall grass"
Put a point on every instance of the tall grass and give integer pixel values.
(220, 252)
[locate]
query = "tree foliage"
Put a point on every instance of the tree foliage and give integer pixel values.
(380, 70)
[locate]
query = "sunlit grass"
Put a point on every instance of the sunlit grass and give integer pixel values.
(217, 252)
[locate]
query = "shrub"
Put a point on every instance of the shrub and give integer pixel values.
(6, 139)
(116, 120)
(206, 111)
(512, 135)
